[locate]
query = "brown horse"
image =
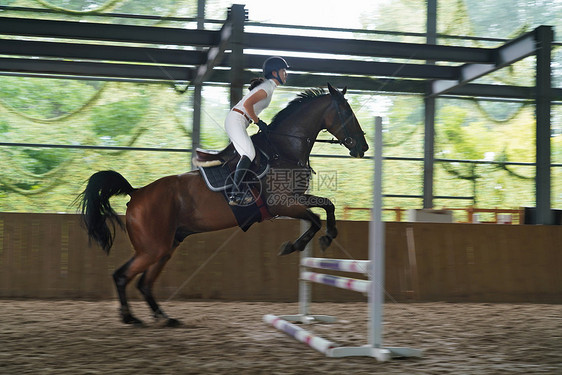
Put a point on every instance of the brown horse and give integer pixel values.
(162, 214)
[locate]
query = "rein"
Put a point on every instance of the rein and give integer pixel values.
(277, 155)
(334, 141)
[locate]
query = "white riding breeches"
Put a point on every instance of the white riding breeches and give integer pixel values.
(235, 125)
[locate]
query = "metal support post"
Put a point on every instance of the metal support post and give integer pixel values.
(429, 114)
(197, 97)
(428, 151)
(238, 17)
(544, 37)
(196, 130)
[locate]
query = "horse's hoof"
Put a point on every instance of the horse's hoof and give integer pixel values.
(287, 248)
(129, 319)
(325, 242)
(171, 322)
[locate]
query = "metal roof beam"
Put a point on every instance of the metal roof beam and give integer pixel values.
(358, 47)
(393, 85)
(507, 54)
(177, 36)
(164, 56)
(368, 68)
(107, 32)
(54, 68)
(167, 75)
(98, 52)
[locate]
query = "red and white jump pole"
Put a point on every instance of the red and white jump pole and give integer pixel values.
(315, 342)
(348, 283)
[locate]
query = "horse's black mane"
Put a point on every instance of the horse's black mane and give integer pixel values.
(302, 98)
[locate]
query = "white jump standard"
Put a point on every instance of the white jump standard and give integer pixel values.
(374, 287)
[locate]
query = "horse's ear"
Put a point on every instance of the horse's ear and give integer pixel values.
(332, 90)
(344, 90)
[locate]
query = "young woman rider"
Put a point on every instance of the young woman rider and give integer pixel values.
(246, 111)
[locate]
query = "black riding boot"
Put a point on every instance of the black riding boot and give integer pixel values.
(236, 195)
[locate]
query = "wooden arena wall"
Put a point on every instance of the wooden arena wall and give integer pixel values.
(47, 256)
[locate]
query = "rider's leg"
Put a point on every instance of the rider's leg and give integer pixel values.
(235, 126)
(236, 194)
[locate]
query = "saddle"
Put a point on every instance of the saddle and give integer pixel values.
(217, 169)
(211, 158)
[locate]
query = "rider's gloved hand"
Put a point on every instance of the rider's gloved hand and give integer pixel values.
(262, 125)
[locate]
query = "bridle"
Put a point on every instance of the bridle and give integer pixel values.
(348, 141)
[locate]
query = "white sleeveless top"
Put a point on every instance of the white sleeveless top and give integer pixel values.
(268, 86)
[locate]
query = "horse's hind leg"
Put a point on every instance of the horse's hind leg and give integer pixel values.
(137, 264)
(145, 285)
(122, 277)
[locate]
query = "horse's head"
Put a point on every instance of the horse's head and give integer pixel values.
(342, 123)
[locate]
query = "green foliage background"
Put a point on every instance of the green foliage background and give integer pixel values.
(68, 112)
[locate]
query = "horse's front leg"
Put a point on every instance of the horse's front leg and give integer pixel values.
(300, 209)
(296, 209)
(328, 206)
(306, 237)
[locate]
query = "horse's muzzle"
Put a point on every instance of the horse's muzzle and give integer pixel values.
(355, 150)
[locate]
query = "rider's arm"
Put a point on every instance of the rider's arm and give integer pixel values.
(249, 104)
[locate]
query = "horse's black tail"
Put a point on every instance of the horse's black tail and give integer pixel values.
(96, 210)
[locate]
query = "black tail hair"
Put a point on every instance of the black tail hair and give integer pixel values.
(96, 210)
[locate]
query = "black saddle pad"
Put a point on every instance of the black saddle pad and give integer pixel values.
(219, 177)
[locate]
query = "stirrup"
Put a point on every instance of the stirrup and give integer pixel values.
(240, 199)
(234, 200)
